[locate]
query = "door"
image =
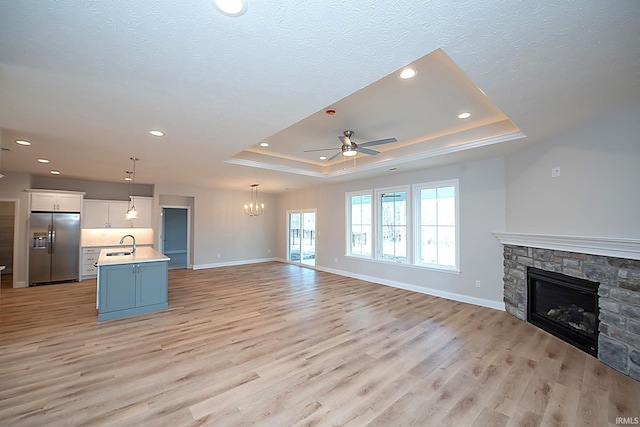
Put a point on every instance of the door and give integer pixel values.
(65, 247)
(151, 283)
(39, 248)
(95, 214)
(69, 202)
(302, 237)
(118, 214)
(43, 201)
(117, 287)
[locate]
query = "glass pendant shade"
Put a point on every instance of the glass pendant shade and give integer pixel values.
(132, 213)
(254, 208)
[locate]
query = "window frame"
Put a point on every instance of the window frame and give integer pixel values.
(348, 223)
(377, 224)
(417, 215)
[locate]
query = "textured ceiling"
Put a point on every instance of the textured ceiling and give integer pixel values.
(85, 80)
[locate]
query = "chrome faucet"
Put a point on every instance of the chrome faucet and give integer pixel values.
(133, 251)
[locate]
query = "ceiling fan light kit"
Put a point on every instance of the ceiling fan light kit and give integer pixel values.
(350, 150)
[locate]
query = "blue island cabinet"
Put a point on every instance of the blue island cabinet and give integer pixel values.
(130, 289)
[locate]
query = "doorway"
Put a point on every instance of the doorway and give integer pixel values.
(8, 240)
(175, 236)
(301, 241)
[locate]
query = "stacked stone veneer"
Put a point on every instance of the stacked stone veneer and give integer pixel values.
(619, 297)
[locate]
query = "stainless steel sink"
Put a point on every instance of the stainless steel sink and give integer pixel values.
(118, 253)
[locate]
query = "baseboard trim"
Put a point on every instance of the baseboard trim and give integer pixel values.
(419, 289)
(496, 305)
(232, 263)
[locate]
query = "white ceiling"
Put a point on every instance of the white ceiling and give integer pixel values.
(85, 80)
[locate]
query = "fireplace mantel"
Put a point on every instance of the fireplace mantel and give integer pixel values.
(605, 246)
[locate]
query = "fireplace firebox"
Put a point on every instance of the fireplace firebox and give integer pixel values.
(564, 306)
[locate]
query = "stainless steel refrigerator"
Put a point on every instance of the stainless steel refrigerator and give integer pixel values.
(54, 249)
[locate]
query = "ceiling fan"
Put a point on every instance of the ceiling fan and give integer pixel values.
(350, 148)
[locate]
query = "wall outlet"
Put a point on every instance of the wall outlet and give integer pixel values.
(218, 254)
(268, 251)
(555, 172)
(477, 283)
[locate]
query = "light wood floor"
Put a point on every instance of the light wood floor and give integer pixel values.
(278, 345)
(6, 281)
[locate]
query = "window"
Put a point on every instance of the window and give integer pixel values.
(417, 225)
(359, 224)
(437, 241)
(392, 224)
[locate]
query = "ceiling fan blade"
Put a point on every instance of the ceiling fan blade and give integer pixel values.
(377, 142)
(334, 156)
(321, 149)
(367, 151)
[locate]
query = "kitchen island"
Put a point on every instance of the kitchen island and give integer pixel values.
(131, 283)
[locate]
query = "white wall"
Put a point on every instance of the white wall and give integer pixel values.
(598, 191)
(223, 234)
(482, 208)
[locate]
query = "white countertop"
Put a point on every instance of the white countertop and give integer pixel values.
(144, 254)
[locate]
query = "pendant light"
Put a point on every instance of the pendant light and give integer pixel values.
(132, 213)
(254, 208)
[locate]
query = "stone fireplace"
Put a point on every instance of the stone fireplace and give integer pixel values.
(616, 278)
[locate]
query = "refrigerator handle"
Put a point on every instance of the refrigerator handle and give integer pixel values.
(52, 247)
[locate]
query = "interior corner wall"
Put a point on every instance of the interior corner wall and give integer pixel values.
(598, 191)
(482, 208)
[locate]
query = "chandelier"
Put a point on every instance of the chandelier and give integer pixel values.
(132, 213)
(254, 208)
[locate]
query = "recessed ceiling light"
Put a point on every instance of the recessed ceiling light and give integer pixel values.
(156, 132)
(55, 172)
(323, 158)
(231, 7)
(407, 73)
(264, 144)
(22, 142)
(43, 160)
(464, 115)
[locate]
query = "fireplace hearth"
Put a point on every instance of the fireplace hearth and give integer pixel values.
(564, 306)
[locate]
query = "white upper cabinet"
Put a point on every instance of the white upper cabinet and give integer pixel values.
(144, 206)
(56, 202)
(118, 215)
(95, 214)
(105, 214)
(112, 214)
